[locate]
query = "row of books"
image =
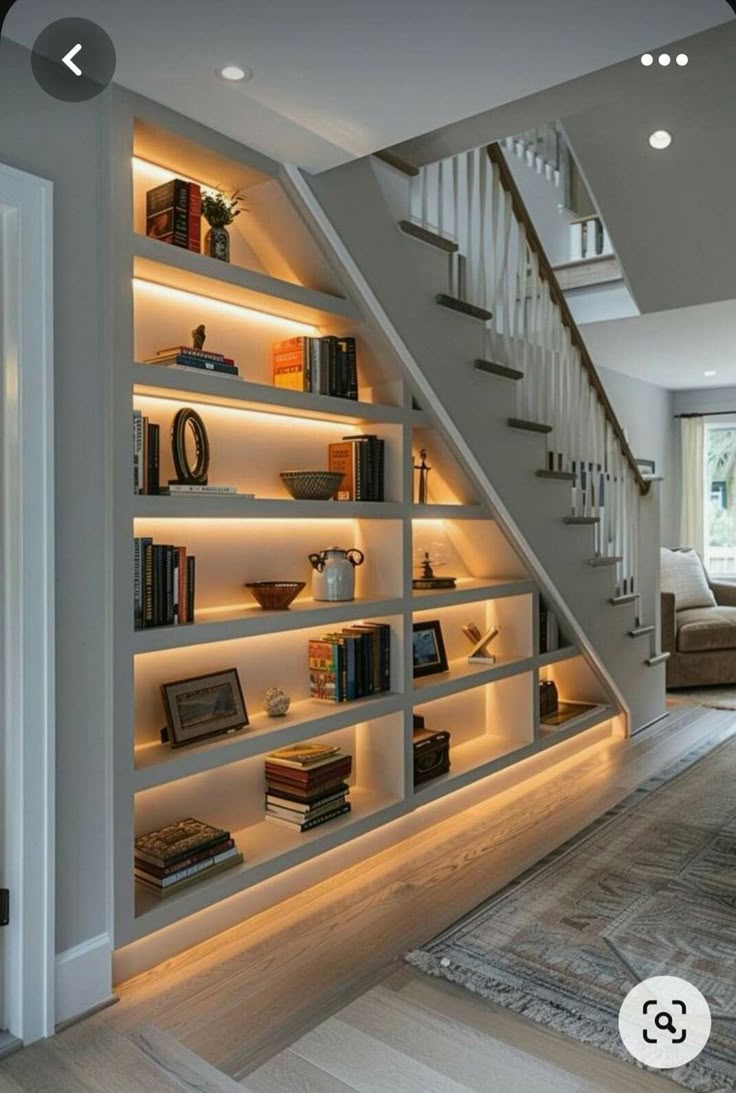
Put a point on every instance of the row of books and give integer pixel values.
(194, 358)
(549, 629)
(324, 366)
(351, 664)
(146, 443)
(306, 785)
(182, 853)
(361, 459)
(163, 584)
(174, 213)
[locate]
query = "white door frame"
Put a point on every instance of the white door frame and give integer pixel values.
(28, 683)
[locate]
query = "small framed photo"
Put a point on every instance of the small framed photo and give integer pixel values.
(203, 706)
(428, 648)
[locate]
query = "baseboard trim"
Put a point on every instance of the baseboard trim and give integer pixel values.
(83, 980)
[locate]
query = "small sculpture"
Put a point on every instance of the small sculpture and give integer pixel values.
(276, 702)
(424, 470)
(480, 653)
(199, 336)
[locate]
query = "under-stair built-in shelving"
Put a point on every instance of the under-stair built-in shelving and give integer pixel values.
(282, 282)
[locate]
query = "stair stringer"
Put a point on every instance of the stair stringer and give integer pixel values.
(396, 279)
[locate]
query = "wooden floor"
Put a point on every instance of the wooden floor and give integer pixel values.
(274, 996)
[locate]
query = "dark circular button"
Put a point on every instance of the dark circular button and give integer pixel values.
(73, 60)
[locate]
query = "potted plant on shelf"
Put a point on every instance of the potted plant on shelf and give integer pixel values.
(219, 212)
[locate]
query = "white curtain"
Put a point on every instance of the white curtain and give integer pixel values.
(692, 512)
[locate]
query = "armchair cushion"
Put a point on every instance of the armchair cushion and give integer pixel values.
(701, 629)
(683, 575)
(725, 594)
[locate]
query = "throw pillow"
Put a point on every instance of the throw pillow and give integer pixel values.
(683, 574)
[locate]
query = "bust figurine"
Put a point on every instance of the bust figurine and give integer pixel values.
(199, 336)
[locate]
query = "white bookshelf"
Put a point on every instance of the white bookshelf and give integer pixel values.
(256, 430)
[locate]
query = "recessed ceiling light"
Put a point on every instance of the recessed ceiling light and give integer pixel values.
(660, 139)
(710, 372)
(681, 59)
(647, 60)
(235, 72)
(664, 59)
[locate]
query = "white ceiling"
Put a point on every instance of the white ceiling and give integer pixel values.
(670, 348)
(336, 79)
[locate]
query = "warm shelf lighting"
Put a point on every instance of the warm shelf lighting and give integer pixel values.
(158, 173)
(153, 288)
(258, 417)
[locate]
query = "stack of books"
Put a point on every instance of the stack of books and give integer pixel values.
(163, 584)
(194, 358)
(145, 454)
(174, 214)
(361, 459)
(305, 785)
(351, 664)
(323, 366)
(181, 854)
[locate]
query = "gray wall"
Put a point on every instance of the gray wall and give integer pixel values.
(705, 400)
(63, 142)
(646, 413)
(543, 199)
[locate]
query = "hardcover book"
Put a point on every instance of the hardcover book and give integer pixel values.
(177, 840)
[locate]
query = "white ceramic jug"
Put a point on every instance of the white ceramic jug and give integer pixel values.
(334, 573)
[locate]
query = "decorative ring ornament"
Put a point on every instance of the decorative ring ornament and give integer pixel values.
(184, 473)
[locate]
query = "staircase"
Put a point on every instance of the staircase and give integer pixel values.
(447, 261)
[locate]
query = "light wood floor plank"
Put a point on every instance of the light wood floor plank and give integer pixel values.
(460, 1051)
(368, 1065)
(288, 1071)
(45, 1068)
(595, 1068)
(112, 1062)
(188, 1069)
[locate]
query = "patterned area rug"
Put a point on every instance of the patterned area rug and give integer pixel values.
(649, 889)
(719, 698)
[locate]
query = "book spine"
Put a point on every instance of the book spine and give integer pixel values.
(137, 451)
(144, 456)
(148, 610)
(308, 824)
(194, 219)
(191, 575)
(137, 584)
(350, 364)
(208, 366)
(162, 871)
(181, 573)
(169, 585)
(153, 458)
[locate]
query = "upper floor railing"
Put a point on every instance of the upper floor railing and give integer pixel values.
(501, 266)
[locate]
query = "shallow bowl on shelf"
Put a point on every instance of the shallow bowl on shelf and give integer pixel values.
(275, 595)
(312, 485)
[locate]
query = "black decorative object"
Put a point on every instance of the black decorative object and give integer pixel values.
(185, 476)
(428, 580)
(548, 698)
(199, 336)
(424, 470)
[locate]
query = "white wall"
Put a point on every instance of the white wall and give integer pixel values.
(63, 142)
(543, 199)
(646, 413)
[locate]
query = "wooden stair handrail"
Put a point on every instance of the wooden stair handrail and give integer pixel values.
(548, 274)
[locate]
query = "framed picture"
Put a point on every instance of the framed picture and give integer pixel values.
(203, 706)
(428, 648)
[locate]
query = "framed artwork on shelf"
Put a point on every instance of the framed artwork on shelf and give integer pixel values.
(428, 648)
(203, 706)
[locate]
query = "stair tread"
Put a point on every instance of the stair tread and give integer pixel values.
(530, 426)
(640, 631)
(455, 304)
(398, 163)
(584, 521)
(660, 658)
(425, 235)
(605, 559)
(619, 601)
(493, 369)
(561, 476)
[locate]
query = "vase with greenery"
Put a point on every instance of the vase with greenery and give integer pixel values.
(219, 212)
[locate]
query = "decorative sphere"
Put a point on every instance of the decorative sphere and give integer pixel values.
(277, 702)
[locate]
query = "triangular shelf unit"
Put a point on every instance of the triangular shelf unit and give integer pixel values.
(280, 284)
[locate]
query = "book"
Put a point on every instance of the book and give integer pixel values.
(304, 794)
(300, 818)
(186, 361)
(341, 457)
(191, 574)
(162, 893)
(323, 671)
(341, 810)
(167, 212)
(137, 451)
(179, 488)
(301, 755)
(306, 808)
(290, 363)
(310, 777)
(368, 464)
(152, 457)
(186, 871)
(183, 863)
(194, 218)
(189, 351)
(177, 840)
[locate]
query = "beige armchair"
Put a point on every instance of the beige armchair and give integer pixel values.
(701, 640)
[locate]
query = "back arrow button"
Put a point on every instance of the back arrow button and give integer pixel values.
(68, 59)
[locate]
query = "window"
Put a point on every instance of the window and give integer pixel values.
(720, 499)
